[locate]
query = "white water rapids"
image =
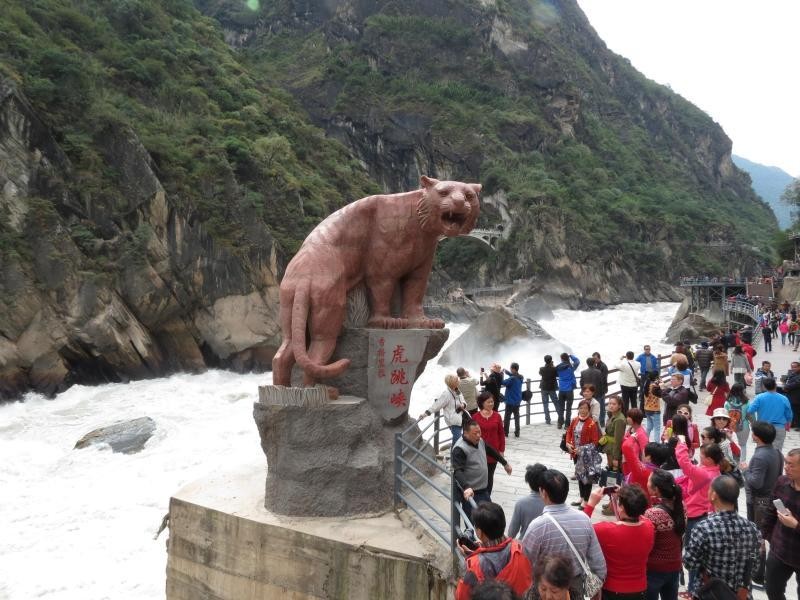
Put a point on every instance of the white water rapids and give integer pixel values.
(80, 523)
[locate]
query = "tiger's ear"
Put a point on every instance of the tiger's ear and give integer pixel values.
(476, 187)
(428, 182)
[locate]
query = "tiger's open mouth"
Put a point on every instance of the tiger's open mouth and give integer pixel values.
(454, 219)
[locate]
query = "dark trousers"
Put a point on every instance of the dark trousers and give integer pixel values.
(767, 344)
(585, 490)
(663, 585)
(511, 410)
(564, 406)
(480, 496)
(628, 397)
(757, 512)
(690, 524)
(492, 467)
(795, 414)
(703, 377)
(547, 397)
(602, 401)
(778, 575)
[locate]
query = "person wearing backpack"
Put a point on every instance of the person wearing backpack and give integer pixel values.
(498, 557)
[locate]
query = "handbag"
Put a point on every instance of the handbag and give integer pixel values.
(563, 444)
(638, 383)
(592, 584)
(714, 588)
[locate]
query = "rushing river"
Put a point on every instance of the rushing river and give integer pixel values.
(79, 524)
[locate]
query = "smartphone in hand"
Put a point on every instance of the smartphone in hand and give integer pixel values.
(780, 506)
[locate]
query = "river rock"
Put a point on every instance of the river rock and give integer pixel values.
(127, 437)
(488, 334)
(693, 328)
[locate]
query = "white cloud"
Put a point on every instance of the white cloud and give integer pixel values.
(735, 59)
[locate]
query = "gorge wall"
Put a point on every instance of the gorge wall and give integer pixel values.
(159, 163)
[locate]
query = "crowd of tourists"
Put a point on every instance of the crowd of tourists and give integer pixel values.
(672, 487)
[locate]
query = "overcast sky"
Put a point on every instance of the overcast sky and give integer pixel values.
(737, 60)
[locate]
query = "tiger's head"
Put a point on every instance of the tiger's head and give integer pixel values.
(448, 208)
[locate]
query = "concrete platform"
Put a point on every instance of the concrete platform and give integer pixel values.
(224, 545)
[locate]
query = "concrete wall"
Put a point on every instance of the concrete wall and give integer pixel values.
(245, 553)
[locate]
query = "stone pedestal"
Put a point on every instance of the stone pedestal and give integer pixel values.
(224, 545)
(332, 460)
(336, 457)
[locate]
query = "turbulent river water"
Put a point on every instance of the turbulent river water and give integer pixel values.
(80, 523)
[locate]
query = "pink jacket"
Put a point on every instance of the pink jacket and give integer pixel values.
(695, 482)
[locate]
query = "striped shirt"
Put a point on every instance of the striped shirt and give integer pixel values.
(543, 538)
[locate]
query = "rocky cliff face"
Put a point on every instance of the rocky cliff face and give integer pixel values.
(155, 294)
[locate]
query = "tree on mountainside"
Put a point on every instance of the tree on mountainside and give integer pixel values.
(791, 196)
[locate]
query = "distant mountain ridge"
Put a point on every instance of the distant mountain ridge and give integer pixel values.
(769, 183)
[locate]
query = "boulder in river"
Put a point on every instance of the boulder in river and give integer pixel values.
(489, 338)
(127, 437)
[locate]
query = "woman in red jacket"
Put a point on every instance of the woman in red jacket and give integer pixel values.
(492, 431)
(626, 543)
(583, 431)
(639, 472)
(719, 389)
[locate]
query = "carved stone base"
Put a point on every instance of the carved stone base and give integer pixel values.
(333, 460)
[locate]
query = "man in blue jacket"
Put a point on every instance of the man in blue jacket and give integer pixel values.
(772, 407)
(647, 363)
(513, 384)
(565, 370)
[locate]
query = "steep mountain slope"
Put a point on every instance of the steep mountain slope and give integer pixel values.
(150, 190)
(158, 167)
(616, 184)
(769, 183)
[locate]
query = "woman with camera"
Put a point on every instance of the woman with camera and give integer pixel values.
(452, 405)
(626, 542)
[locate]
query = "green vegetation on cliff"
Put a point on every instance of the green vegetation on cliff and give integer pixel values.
(229, 149)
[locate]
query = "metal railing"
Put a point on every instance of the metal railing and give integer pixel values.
(410, 448)
(742, 307)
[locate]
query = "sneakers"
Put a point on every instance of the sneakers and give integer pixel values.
(684, 596)
(578, 503)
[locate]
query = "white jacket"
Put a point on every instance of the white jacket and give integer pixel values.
(627, 377)
(447, 403)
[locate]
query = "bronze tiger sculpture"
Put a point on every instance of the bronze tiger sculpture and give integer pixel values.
(382, 241)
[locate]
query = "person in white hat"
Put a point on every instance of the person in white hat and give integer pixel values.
(721, 421)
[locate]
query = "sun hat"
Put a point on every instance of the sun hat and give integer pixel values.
(720, 413)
